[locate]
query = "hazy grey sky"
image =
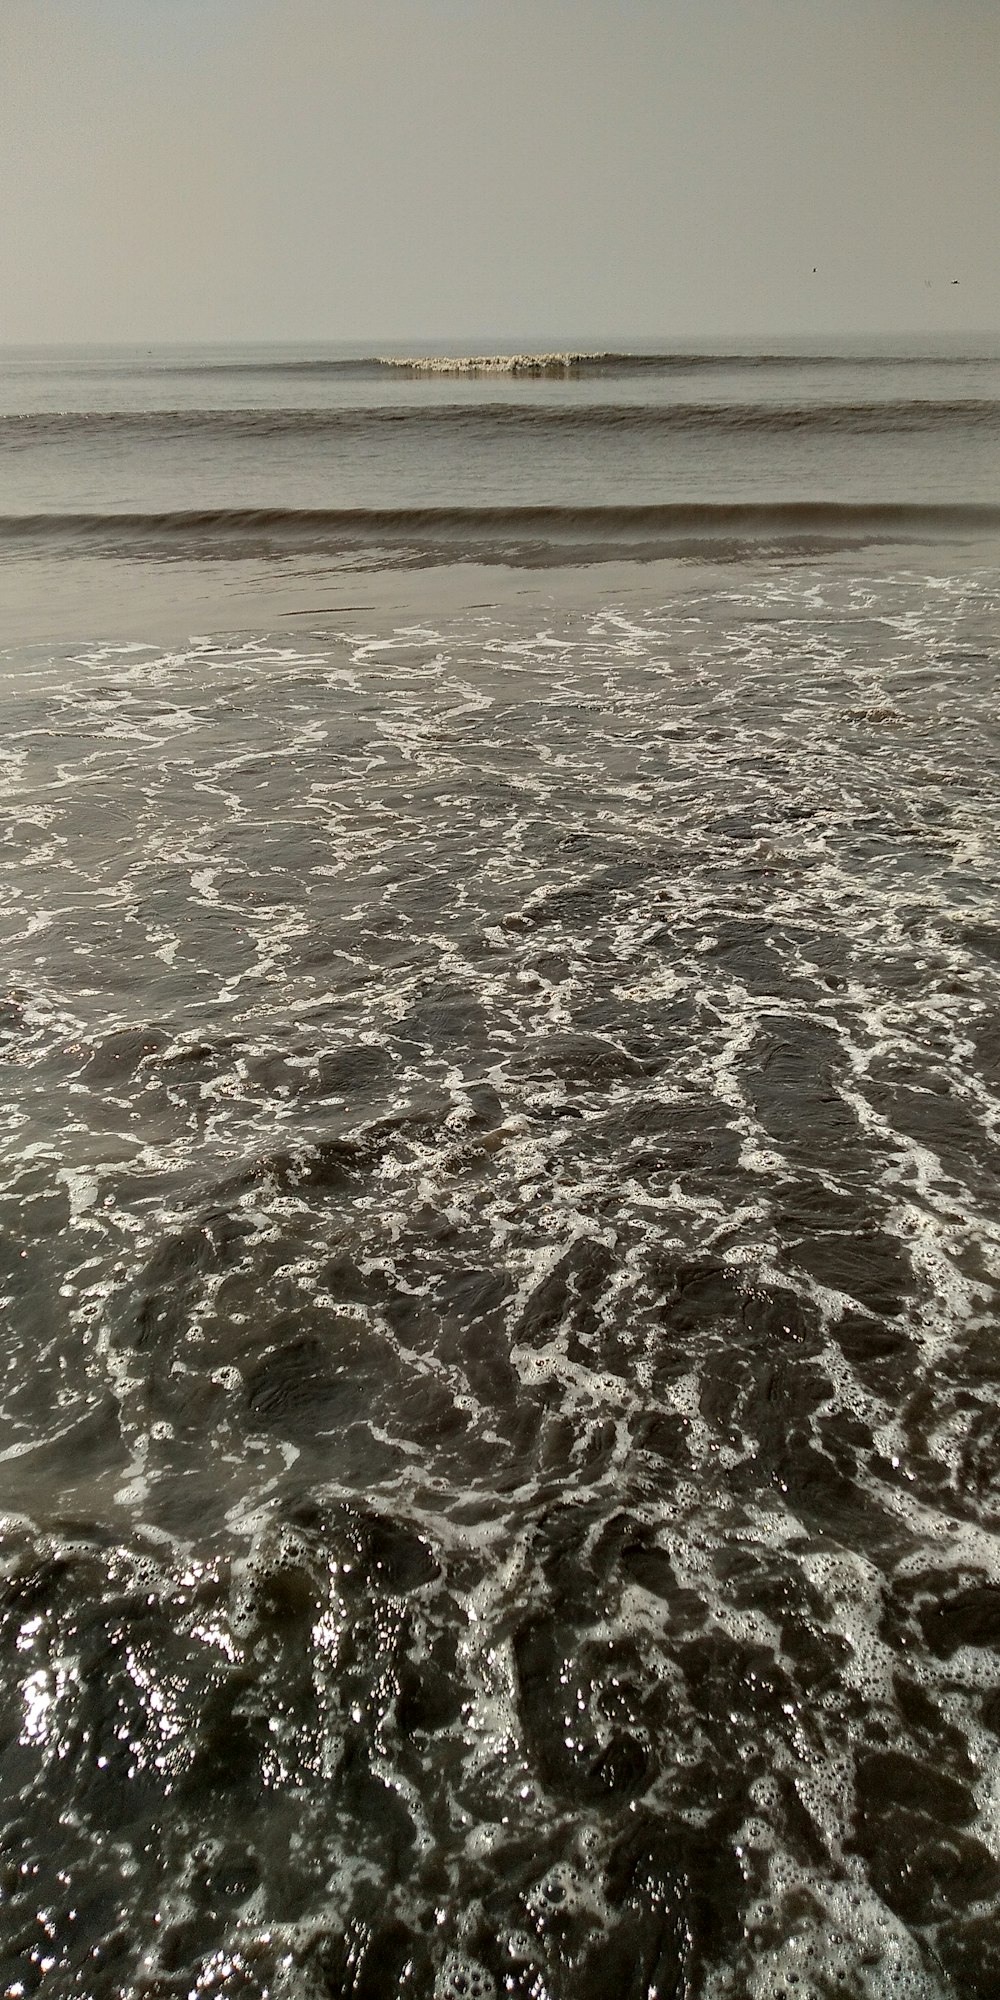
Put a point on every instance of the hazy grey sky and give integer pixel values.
(185, 169)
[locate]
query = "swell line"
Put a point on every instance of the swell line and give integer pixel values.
(876, 418)
(505, 534)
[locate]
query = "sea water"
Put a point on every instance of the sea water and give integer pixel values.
(500, 1026)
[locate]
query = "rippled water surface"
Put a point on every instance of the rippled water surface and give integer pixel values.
(500, 1272)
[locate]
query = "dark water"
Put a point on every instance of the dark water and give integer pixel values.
(499, 1215)
(214, 430)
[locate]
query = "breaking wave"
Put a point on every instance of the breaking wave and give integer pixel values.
(570, 362)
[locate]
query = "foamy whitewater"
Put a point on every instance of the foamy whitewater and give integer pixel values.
(501, 1248)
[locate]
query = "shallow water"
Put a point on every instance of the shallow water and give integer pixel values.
(501, 1264)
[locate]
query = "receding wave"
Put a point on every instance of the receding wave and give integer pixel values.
(856, 419)
(521, 534)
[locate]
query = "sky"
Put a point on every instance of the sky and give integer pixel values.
(505, 169)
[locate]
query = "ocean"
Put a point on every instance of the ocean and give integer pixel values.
(500, 1022)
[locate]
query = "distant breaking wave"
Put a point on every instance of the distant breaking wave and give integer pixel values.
(612, 361)
(516, 535)
(496, 364)
(568, 364)
(480, 419)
